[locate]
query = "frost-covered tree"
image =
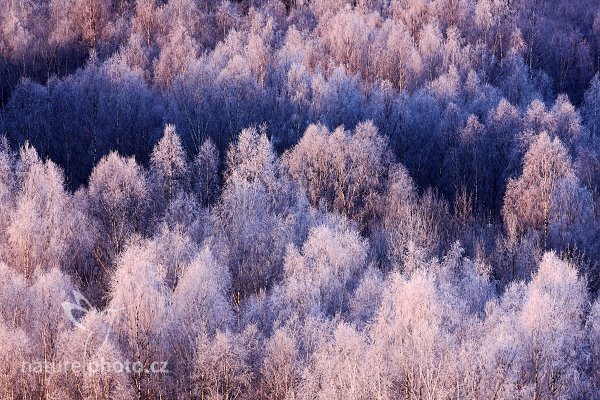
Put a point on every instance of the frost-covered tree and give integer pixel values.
(337, 368)
(205, 175)
(409, 219)
(139, 298)
(593, 332)
(169, 167)
(223, 366)
(15, 351)
(75, 21)
(101, 365)
(200, 306)
(319, 276)
(552, 320)
(344, 170)
(591, 110)
(118, 202)
(175, 57)
(529, 198)
(8, 187)
(252, 215)
(410, 336)
(41, 228)
(280, 370)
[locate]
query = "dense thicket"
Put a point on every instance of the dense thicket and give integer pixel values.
(82, 78)
(301, 199)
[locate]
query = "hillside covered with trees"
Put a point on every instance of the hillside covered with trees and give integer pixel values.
(299, 199)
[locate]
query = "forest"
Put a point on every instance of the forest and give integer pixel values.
(300, 199)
